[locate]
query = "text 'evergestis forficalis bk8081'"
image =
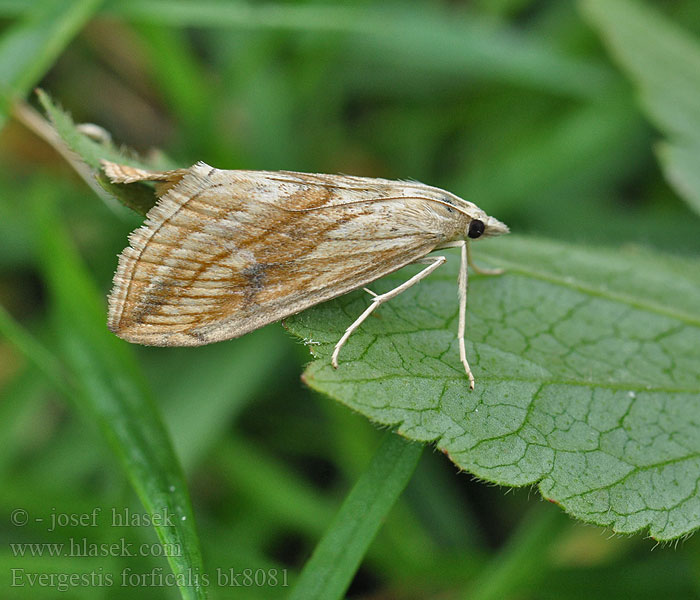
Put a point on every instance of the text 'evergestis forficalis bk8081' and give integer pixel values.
(225, 252)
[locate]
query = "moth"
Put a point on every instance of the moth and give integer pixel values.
(225, 252)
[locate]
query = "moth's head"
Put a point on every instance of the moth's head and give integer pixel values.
(482, 226)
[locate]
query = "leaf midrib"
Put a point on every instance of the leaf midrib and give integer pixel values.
(572, 283)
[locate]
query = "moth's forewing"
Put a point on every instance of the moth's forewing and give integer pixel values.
(225, 252)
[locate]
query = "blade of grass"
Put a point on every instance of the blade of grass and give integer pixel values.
(407, 537)
(285, 500)
(111, 390)
(524, 559)
(330, 569)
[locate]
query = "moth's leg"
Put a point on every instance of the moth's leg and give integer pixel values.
(480, 270)
(462, 292)
(433, 263)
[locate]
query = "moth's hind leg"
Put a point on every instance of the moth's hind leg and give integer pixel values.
(433, 263)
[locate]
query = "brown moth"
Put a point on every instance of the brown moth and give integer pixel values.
(225, 252)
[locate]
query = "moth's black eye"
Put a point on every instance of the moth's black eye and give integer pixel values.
(476, 228)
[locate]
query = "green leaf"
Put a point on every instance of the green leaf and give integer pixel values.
(89, 149)
(587, 366)
(139, 198)
(30, 46)
(663, 61)
(329, 571)
(111, 389)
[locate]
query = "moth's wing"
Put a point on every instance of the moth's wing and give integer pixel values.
(225, 252)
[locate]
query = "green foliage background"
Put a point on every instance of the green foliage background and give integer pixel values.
(572, 121)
